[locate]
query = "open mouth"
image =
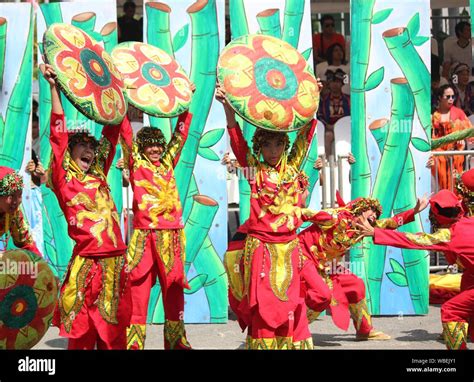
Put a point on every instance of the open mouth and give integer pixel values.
(86, 160)
(372, 220)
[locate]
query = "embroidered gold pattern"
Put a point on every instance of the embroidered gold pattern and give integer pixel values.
(281, 268)
(359, 311)
(136, 335)
(455, 335)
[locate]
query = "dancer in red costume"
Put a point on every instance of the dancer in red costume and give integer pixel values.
(94, 305)
(157, 247)
(266, 275)
(12, 221)
(453, 238)
(324, 244)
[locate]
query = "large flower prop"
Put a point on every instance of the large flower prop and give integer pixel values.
(28, 295)
(268, 82)
(86, 73)
(156, 83)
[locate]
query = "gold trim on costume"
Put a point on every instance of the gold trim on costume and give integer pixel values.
(136, 335)
(455, 334)
(359, 311)
(442, 235)
(281, 267)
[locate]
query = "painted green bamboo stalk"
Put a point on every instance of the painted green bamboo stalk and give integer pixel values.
(308, 167)
(158, 34)
(388, 175)
(294, 11)
(269, 22)
(84, 21)
(361, 35)
(416, 262)
(17, 116)
(453, 137)
(205, 37)
(401, 48)
(208, 262)
(51, 13)
(109, 36)
(238, 20)
(3, 46)
(197, 226)
(188, 202)
(239, 27)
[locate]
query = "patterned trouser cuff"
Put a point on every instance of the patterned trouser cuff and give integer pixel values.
(455, 335)
(306, 344)
(361, 316)
(175, 336)
(136, 334)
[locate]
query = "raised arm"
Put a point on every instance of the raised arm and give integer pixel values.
(176, 144)
(301, 144)
(237, 140)
(126, 142)
(108, 147)
(58, 136)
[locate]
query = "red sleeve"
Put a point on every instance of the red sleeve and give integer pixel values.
(182, 128)
(58, 137)
(126, 132)
(112, 134)
(239, 145)
(405, 217)
(400, 240)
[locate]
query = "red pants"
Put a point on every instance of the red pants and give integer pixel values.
(343, 293)
(151, 258)
(94, 303)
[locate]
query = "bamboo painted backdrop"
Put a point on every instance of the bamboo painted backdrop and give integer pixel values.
(193, 32)
(99, 21)
(391, 131)
(16, 78)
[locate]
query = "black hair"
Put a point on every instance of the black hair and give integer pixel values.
(460, 27)
(35, 118)
(326, 17)
(442, 89)
(330, 51)
(129, 4)
(435, 75)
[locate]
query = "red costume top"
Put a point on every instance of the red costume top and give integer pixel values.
(17, 227)
(276, 202)
(156, 203)
(455, 241)
(85, 197)
(333, 232)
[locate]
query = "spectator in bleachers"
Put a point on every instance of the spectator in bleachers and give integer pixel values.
(333, 106)
(322, 41)
(129, 28)
(464, 88)
(336, 59)
(459, 50)
(445, 120)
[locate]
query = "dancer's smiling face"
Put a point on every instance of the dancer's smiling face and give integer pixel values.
(153, 153)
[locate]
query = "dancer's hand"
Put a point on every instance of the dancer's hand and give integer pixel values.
(422, 203)
(365, 229)
(48, 73)
(229, 112)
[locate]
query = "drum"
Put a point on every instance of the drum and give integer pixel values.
(28, 296)
(86, 73)
(268, 83)
(156, 84)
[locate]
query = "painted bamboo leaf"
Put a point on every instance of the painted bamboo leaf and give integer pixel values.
(211, 138)
(414, 25)
(207, 153)
(399, 279)
(307, 53)
(396, 266)
(180, 38)
(375, 79)
(420, 40)
(381, 16)
(421, 144)
(196, 284)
